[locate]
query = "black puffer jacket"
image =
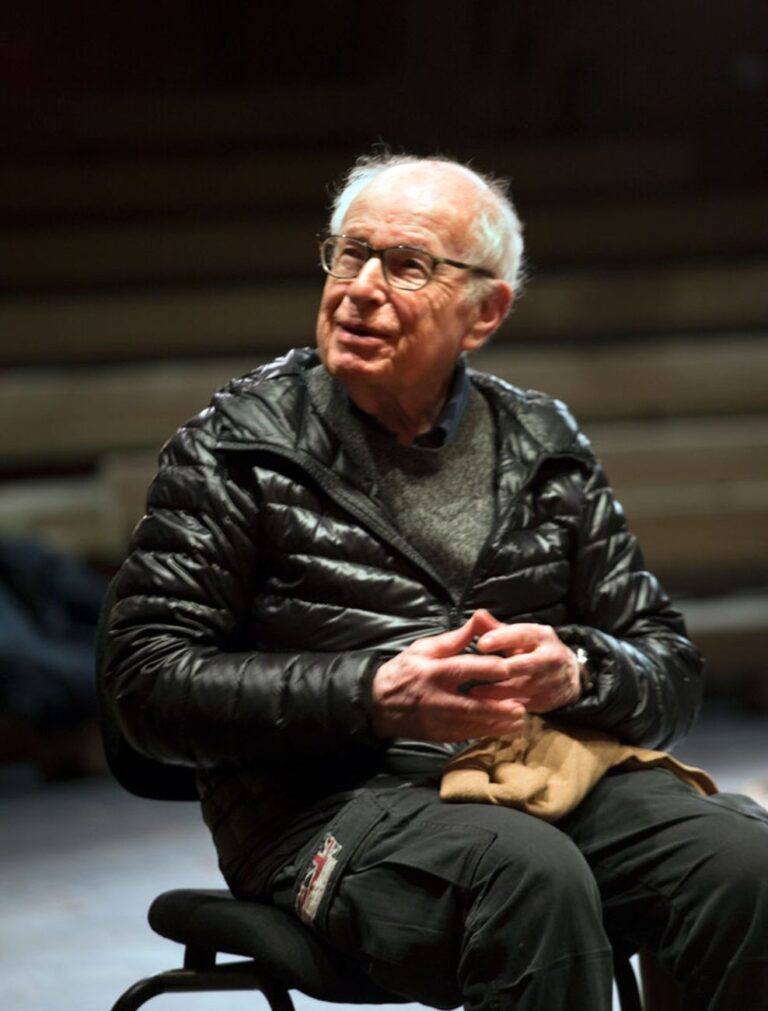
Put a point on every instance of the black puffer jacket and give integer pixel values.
(266, 584)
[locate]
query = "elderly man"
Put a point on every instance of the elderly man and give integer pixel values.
(360, 559)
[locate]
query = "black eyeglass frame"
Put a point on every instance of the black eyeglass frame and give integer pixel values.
(436, 261)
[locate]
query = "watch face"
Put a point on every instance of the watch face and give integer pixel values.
(582, 659)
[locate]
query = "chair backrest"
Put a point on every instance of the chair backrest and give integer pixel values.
(138, 774)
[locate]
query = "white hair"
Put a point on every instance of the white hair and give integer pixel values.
(498, 241)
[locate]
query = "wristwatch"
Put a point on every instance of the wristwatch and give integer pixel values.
(582, 659)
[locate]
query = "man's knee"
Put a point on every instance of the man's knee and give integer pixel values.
(537, 864)
(733, 846)
(724, 895)
(739, 873)
(537, 913)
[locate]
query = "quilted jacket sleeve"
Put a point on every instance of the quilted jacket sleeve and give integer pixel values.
(180, 681)
(647, 674)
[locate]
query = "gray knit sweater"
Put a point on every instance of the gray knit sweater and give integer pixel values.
(442, 500)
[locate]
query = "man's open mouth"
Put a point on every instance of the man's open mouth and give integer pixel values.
(360, 331)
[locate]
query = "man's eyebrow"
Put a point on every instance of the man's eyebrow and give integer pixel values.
(397, 245)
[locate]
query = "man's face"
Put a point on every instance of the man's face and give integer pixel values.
(380, 340)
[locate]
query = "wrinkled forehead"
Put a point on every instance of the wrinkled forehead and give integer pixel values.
(439, 199)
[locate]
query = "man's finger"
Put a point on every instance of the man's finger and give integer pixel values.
(473, 719)
(485, 622)
(470, 669)
(451, 643)
(518, 689)
(523, 636)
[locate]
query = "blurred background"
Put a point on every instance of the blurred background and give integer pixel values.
(164, 168)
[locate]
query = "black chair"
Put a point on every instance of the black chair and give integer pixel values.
(280, 955)
(277, 953)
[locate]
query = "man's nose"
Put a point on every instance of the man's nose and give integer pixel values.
(370, 282)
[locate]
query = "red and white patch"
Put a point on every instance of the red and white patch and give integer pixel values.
(317, 879)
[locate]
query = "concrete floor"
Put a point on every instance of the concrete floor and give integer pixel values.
(81, 861)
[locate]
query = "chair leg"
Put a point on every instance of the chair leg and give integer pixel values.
(660, 990)
(626, 984)
(139, 993)
(227, 976)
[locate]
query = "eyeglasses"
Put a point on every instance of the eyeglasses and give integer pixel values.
(404, 267)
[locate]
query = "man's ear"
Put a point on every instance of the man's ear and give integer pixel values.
(490, 312)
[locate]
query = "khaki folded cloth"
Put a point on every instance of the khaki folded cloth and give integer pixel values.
(549, 768)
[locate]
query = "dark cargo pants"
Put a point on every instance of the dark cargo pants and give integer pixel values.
(476, 904)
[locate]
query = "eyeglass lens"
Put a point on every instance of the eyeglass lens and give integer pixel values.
(404, 268)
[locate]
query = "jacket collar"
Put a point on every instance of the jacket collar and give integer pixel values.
(270, 408)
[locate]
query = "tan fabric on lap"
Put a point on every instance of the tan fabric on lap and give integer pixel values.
(549, 768)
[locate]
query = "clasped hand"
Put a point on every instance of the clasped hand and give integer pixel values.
(435, 691)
